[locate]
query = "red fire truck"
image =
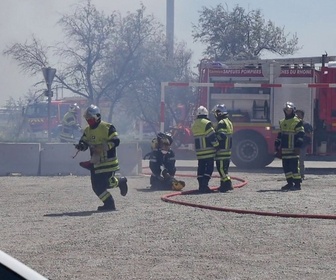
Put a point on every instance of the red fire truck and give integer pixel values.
(35, 116)
(254, 93)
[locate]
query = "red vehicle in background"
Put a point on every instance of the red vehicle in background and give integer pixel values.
(35, 116)
(254, 92)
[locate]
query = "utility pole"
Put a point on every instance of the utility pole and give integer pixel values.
(170, 28)
(49, 74)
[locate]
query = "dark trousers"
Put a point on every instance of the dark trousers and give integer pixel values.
(223, 169)
(291, 169)
(100, 183)
(204, 171)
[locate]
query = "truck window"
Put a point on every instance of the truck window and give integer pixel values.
(40, 110)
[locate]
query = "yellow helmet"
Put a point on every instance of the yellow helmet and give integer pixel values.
(178, 185)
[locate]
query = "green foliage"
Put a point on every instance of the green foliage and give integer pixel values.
(239, 35)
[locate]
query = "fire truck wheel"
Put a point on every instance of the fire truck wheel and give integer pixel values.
(250, 151)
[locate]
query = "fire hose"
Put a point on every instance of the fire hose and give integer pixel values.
(170, 198)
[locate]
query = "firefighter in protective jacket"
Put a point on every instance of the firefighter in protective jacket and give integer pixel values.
(224, 131)
(70, 126)
(206, 145)
(102, 140)
(289, 142)
(162, 164)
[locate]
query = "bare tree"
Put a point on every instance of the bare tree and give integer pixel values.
(108, 58)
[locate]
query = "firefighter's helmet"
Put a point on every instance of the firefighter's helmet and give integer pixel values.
(162, 140)
(289, 108)
(73, 108)
(92, 112)
(165, 138)
(220, 110)
(202, 111)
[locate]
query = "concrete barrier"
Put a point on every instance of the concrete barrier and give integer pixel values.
(52, 159)
(23, 159)
(130, 158)
(57, 159)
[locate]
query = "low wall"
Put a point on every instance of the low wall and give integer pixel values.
(50, 159)
(23, 158)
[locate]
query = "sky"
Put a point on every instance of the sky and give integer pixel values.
(311, 20)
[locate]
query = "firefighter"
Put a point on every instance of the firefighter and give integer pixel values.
(70, 126)
(162, 164)
(101, 138)
(289, 142)
(206, 144)
(224, 131)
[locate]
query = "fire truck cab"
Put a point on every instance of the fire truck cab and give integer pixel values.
(35, 116)
(255, 92)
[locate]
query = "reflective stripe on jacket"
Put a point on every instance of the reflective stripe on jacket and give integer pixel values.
(106, 136)
(291, 130)
(224, 131)
(205, 139)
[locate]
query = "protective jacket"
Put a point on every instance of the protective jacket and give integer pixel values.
(69, 127)
(224, 131)
(102, 141)
(290, 137)
(158, 160)
(205, 139)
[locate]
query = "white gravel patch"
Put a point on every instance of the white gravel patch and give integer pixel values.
(51, 224)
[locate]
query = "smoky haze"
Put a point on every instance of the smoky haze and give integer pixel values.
(19, 19)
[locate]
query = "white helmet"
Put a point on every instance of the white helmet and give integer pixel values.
(289, 106)
(74, 108)
(202, 111)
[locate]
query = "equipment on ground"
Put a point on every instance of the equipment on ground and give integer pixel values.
(176, 185)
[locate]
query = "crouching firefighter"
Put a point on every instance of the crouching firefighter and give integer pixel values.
(162, 164)
(101, 138)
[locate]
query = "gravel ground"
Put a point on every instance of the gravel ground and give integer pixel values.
(51, 224)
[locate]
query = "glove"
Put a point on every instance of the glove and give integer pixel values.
(166, 174)
(160, 178)
(80, 146)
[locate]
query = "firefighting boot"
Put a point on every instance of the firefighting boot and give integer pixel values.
(123, 185)
(155, 183)
(108, 205)
(225, 186)
(297, 185)
(203, 185)
(288, 186)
